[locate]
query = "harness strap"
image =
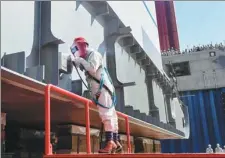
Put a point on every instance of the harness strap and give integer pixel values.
(101, 85)
(99, 82)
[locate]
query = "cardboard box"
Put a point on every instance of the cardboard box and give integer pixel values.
(148, 145)
(65, 130)
(123, 139)
(143, 145)
(72, 139)
(157, 146)
(76, 144)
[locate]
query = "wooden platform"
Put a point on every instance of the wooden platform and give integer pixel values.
(140, 156)
(22, 99)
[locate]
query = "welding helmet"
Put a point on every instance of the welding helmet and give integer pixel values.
(79, 45)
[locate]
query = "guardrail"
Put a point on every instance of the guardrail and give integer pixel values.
(87, 103)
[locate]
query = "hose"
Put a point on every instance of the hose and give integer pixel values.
(81, 77)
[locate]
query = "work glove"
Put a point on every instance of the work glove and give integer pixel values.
(76, 60)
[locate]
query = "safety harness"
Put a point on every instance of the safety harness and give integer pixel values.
(101, 85)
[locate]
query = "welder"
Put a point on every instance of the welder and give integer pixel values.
(101, 89)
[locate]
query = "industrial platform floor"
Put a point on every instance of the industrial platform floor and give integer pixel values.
(27, 107)
(139, 156)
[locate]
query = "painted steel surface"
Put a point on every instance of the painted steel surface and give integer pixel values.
(206, 122)
(55, 21)
(167, 27)
(144, 31)
(138, 156)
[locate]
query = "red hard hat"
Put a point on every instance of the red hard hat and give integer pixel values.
(80, 40)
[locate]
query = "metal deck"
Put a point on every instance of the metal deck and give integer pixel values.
(23, 100)
(140, 156)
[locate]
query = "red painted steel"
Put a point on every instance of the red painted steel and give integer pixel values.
(168, 22)
(49, 87)
(159, 23)
(171, 25)
(128, 135)
(88, 103)
(162, 25)
(88, 137)
(48, 147)
(127, 130)
(167, 27)
(173, 30)
(193, 155)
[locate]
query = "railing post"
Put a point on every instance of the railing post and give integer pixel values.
(48, 147)
(88, 137)
(128, 134)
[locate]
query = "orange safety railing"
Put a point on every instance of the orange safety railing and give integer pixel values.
(87, 102)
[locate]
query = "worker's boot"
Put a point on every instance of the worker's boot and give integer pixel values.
(110, 144)
(116, 139)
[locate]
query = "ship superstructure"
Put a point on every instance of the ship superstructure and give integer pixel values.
(199, 73)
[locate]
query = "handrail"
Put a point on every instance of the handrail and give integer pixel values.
(127, 130)
(48, 146)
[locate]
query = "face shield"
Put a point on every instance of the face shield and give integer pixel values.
(74, 49)
(79, 49)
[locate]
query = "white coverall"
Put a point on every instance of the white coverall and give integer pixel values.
(218, 149)
(209, 149)
(91, 64)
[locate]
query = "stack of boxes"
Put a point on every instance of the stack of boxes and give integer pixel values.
(146, 145)
(72, 139)
(68, 139)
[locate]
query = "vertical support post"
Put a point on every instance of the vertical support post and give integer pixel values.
(153, 109)
(88, 137)
(128, 134)
(48, 147)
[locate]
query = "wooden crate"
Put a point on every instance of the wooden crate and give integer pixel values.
(157, 146)
(76, 144)
(123, 139)
(143, 145)
(72, 139)
(64, 130)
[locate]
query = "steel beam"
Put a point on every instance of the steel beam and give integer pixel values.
(140, 56)
(45, 44)
(135, 49)
(126, 41)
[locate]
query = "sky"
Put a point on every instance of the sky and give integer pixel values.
(200, 22)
